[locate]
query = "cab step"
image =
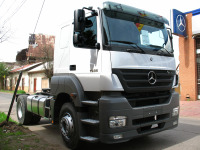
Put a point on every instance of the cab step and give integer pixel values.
(90, 103)
(90, 121)
(89, 139)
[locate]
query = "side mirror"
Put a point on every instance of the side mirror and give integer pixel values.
(88, 23)
(79, 20)
(78, 39)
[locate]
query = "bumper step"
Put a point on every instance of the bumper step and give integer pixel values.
(89, 139)
(90, 103)
(90, 121)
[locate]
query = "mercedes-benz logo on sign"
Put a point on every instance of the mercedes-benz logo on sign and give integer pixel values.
(152, 77)
(180, 22)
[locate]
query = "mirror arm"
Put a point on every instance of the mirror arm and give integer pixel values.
(94, 12)
(97, 46)
(170, 32)
(171, 37)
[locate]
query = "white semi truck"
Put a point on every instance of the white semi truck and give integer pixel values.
(114, 77)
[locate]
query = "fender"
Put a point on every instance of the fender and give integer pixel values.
(67, 83)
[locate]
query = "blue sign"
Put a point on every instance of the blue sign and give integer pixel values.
(179, 23)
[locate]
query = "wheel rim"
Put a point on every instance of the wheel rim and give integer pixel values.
(67, 126)
(19, 109)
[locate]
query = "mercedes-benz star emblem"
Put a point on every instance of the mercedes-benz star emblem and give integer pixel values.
(152, 77)
(180, 22)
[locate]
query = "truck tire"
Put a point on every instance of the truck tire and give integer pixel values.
(69, 127)
(24, 117)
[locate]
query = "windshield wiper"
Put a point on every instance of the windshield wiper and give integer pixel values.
(161, 49)
(131, 44)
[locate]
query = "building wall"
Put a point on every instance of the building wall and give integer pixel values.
(38, 77)
(45, 83)
(14, 77)
(26, 81)
(188, 67)
(35, 50)
(7, 83)
(42, 82)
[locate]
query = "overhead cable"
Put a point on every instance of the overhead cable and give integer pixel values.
(16, 10)
(8, 9)
(2, 3)
(39, 16)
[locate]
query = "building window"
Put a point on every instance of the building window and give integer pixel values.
(198, 43)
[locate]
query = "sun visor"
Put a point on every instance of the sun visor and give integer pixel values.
(134, 11)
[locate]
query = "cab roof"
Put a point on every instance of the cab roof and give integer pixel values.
(134, 11)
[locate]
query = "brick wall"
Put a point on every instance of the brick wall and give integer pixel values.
(35, 50)
(187, 58)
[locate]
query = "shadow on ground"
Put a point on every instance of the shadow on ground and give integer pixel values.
(163, 140)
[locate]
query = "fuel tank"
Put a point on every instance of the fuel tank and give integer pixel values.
(39, 104)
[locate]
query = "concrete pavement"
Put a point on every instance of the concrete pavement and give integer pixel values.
(190, 109)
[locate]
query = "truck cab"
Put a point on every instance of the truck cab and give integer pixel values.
(114, 76)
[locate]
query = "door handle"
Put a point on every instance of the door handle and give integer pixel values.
(72, 67)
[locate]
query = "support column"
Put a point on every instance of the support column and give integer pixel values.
(188, 65)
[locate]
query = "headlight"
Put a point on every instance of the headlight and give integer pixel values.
(175, 111)
(176, 80)
(117, 121)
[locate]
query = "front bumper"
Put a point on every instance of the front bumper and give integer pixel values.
(140, 121)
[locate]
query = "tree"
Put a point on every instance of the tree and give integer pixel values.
(47, 59)
(21, 57)
(4, 72)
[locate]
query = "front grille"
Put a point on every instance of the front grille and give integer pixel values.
(152, 123)
(137, 80)
(151, 119)
(147, 98)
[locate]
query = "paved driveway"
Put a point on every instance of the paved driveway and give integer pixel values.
(185, 136)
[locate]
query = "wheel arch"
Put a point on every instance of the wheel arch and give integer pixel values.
(68, 84)
(66, 88)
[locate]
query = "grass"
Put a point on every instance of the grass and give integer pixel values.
(3, 134)
(6, 91)
(14, 138)
(6, 137)
(3, 117)
(18, 91)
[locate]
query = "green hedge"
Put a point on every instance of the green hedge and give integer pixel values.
(21, 92)
(18, 92)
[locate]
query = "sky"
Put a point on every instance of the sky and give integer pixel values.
(56, 12)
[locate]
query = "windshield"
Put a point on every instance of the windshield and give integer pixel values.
(124, 31)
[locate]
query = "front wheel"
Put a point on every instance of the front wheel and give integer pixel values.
(69, 128)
